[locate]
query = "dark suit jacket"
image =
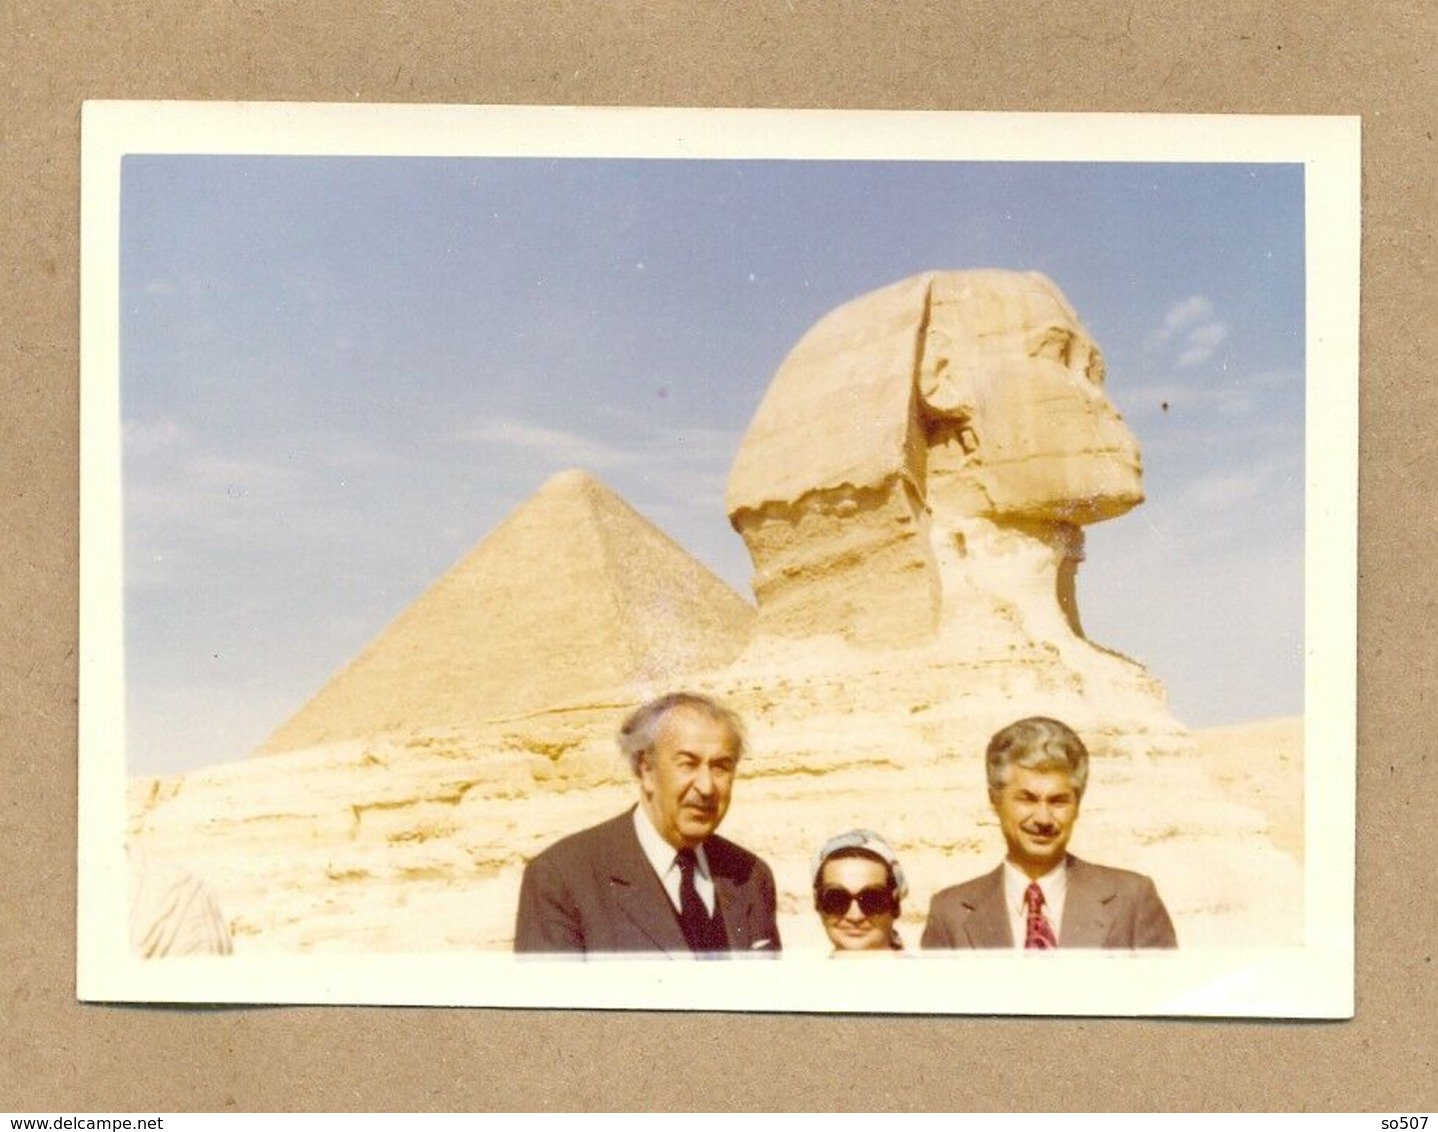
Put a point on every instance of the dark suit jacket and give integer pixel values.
(1103, 908)
(596, 892)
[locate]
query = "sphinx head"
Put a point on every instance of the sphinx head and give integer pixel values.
(1011, 406)
(906, 416)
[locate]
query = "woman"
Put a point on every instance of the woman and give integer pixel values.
(858, 886)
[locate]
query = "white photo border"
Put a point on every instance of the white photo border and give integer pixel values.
(1315, 980)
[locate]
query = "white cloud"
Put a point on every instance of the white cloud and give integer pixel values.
(1180, 316)
(1277, 378)
(187, 498)
(557, 445)
(677, 452)
(149, 437)
(1224, 491)
(310, 283)
(185, 285)
(1208, 334)
(200, 491)
(705, 445)
(672, 475)
(1191, 328)
(1220, 491)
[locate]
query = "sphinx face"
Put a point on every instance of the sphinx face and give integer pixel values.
(1013, 408)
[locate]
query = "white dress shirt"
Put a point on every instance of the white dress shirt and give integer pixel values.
(1055, 887)
(663, 857)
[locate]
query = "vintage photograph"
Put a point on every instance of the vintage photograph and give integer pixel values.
(526, 550)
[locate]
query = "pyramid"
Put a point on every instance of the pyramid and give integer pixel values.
(574, 593)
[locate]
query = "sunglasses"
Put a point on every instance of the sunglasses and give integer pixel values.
(873, 901)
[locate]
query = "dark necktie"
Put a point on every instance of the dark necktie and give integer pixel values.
(693, 916)
(1040, 933)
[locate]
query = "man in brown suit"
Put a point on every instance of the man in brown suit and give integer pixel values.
(1042, 897)
(657, 878)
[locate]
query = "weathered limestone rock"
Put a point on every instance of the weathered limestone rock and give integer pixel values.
(417, 842)
(899, 419)
(574, 592)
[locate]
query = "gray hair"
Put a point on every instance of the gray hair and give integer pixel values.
(638, 733)
(1036, 743)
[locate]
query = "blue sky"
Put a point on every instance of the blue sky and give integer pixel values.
(338, 374)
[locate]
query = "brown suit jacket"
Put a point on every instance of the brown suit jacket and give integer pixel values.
(595, 891)
(1103, 908)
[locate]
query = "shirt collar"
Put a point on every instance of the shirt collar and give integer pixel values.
(1054, 884)
(658, 852)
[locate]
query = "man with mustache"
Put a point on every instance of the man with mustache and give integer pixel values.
(1041, 897)
(657, 878)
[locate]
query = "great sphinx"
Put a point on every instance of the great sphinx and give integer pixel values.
(925, 451)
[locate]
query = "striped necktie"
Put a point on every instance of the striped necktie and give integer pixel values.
(1040, 933)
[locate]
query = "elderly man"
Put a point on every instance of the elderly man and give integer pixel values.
(657, 878)
(1041, 897)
